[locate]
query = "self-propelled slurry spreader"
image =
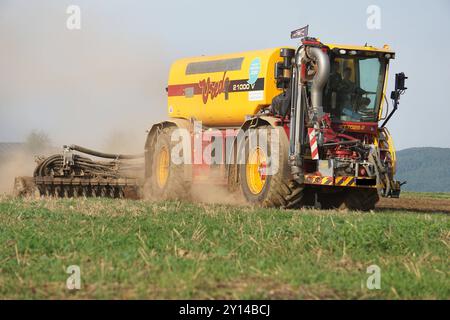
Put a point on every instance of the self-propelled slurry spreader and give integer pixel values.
(286, 127)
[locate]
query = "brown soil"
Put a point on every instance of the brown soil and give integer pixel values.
(266, 289)
(430, 205)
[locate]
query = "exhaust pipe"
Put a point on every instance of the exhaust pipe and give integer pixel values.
(320, 79)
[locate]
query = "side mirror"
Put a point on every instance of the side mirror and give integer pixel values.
(395, 95)
(399, 86)
(400, 82)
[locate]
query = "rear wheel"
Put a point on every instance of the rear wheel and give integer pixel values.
(361, 199)
(332, 200)
(166, 181)
(353, 199)
(258, 184)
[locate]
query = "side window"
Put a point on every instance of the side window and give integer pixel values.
(368, 68)
(349, 66)
(338, 66)
(343, 74)
(368, 82)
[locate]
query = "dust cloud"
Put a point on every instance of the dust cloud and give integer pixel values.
(18, 163)
(211, 193)
(100, 87)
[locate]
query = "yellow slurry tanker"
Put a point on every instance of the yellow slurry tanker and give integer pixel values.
(322, 103)
(285, 127)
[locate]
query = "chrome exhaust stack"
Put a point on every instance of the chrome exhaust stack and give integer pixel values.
(320, 79)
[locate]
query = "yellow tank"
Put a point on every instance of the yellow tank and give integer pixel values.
(222, 90)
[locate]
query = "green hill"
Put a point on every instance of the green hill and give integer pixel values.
(425, 169)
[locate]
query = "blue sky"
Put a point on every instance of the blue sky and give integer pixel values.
(108, 78)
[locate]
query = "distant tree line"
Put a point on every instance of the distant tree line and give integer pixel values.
(424, 169)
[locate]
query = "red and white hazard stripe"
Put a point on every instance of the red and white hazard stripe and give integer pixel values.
(313, 143)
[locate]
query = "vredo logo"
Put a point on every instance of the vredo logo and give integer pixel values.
(211, 89)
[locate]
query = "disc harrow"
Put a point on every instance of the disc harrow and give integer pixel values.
(72, 174)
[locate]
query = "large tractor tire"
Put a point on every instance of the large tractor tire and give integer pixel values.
(332, 200)
(354, 199)
(258, 188)
(167, 179)
(361, 199)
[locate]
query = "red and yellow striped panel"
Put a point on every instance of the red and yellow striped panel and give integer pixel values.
(319, 180)
(330, 181)
(345, 182)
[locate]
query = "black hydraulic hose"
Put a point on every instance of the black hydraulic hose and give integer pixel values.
(293, 115)
(39, 169)
(105, 155)
(295, 80)
(106, 165)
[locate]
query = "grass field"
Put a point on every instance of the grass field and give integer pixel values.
(136, 249)
(433, 195)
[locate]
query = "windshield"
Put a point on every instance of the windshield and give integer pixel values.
(354, 89)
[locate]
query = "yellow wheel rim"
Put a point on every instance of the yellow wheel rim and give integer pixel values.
(255, 170)
(162, 167)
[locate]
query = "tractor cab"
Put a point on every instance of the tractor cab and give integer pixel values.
(356, 84)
